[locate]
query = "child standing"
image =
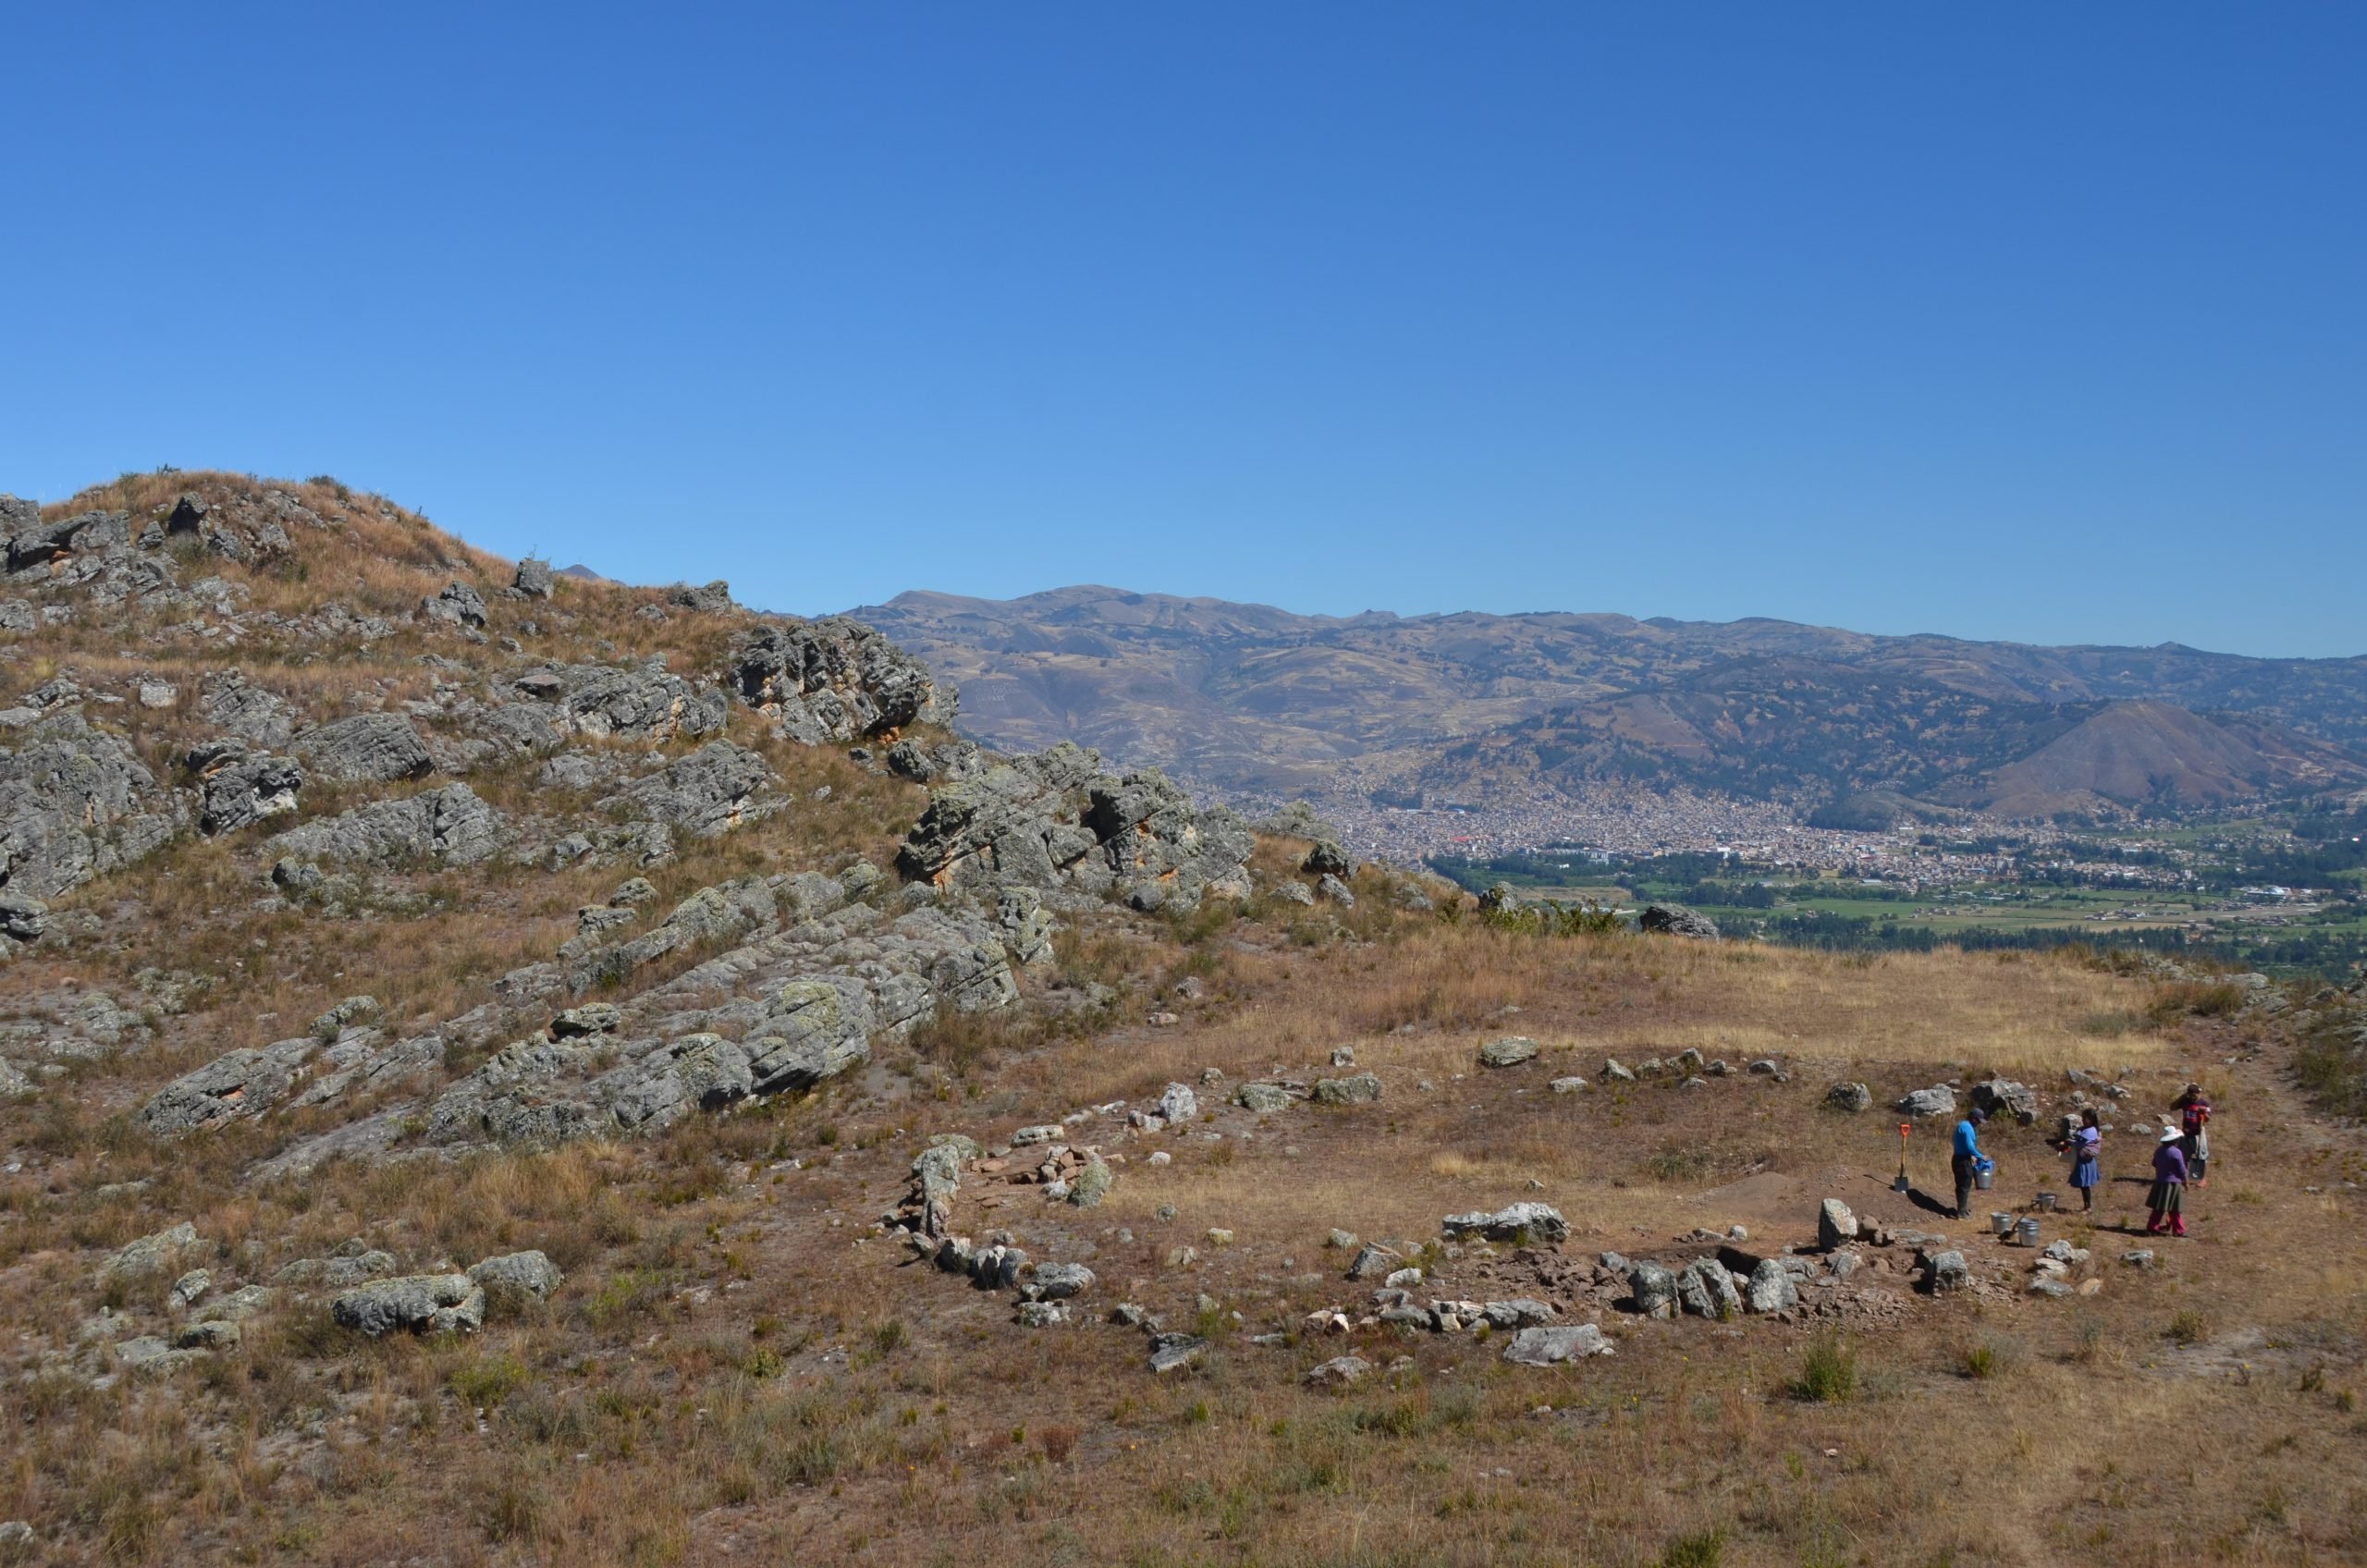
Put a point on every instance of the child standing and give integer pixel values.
(2087, 1151)
(2194, 1132)
(2169, 1185)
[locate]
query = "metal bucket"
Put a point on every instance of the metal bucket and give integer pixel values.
(2027, 1232)
(2002, 1223)
(1984, 1179)
(2046, 1203)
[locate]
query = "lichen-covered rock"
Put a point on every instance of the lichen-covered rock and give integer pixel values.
(716, 788)
(2003, 1097)
(1263, 1099)
(1055, 820)
(1772, 1288)
(1850, 1098)
(1945, 1271)
(1654, 1289)
(1553, 1346)
(518, 1274)
(646, 702)
(534, 579)
(150, 1255)
(254, 714)
(1835, 1225)
(424, 1303)
(1508, 1051)
(835, 680)
(1706, 1289)
(1526, 1223)
(458, 605)
(447, 827)
(237, 787)
(243, 1082)
(76, 802)
(1363, 1088)
(373, 748)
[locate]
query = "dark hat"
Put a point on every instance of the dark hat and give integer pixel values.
(1979, 1114)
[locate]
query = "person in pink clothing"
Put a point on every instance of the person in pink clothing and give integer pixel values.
(2169, 1186)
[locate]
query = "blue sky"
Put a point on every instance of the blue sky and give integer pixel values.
(2045, 322)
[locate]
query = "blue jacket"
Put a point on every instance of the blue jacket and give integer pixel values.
(1967, 1139)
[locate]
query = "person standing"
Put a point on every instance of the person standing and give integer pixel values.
(2194, 1133)
(1966, 1160)
(2087, 1162)
(2169, 1185)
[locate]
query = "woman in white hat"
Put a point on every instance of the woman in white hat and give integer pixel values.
(2169, 1185)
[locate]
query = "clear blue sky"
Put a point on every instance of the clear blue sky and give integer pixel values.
(2033, 322)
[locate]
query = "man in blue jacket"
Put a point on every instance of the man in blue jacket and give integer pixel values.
(1966, 1161)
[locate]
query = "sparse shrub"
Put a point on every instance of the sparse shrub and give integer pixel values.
(1704, 1548)
(2187, 1327)
(890, 1336)
(486, 1382)
(1828, 1374)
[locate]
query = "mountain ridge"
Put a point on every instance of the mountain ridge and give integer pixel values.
(1253, 698)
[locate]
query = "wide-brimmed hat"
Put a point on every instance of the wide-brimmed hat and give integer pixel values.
(2171, 1136)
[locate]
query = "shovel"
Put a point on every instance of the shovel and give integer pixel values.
(1901, 1185)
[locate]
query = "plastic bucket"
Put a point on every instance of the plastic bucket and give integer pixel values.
(2002, 1223)
(2046, 1203)
(1984, 1179)
(2027, 1231)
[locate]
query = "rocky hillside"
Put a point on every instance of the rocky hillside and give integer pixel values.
(1252, 698)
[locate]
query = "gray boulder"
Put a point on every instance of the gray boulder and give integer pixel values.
(254, 714)
(422, 1303)
(1335, 890)
(1706, 1289)
(1849, 1096)
(377, 747)
(1263, 1099)
(1339, 1372)
(237, 787)
(449, 827)
(1551, 1347)
(1676, 921)
(458, 605)
(1937, 1100)
(242, 1082)
(23, 918)
(518, 1274)
(716, 788)
(1363, 1088)
(534, 579)
(1772, 1288)
(1835, 1225)
(1328, 859)
(1654, 1289)
(711, 598)
(76, 802)
(1058, 1281)
(1945, 1271)
(1526, 1223)
(2003, 1096)
(1510, 1051)
(1178, 1103)
(642, 703)
(151, 1255)
(1174, 1353)
(836, 680)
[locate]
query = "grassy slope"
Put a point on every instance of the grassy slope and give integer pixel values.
(737, 1371)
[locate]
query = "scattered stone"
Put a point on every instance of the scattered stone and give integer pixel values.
(1263, 1099)
(1058, 1282)
(1705, 1288)
(1331, 887)
(212, 1334)
(2003, 1096)
(1944, 1271)
(2141, 1258)
(1339, 1372)
(190, 1287)
(1362, 1089)
(1178, 1103)
(1937, 1100)
(150, 1254)
(1371, 1261)
(1849, 1096)
(1343, 1056)
(1615, 1073)
(1173, 1353)
(1772, 1288)
(1510, 1051)
(1551, 1347)
(429, 1303)
(1835, 1225)
(1572, 1085)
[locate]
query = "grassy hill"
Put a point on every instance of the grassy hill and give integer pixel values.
(742, 1349)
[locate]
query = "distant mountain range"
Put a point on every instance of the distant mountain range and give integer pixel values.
(1467, 707)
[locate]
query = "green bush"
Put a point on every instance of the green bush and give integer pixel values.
(1828, 1373)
